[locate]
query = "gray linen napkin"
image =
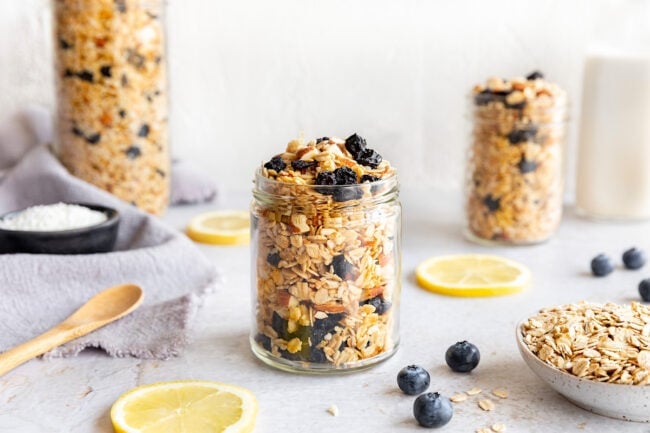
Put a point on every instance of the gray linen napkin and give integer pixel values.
(38, 291)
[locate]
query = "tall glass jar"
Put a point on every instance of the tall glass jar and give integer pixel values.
(514, 183)
(325, 274)
(112, 97)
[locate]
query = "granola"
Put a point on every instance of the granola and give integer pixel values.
(327, 260)
(514, 185)
(112, 97)
(606, 343)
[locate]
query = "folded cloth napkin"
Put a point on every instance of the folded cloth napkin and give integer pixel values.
(38, 291)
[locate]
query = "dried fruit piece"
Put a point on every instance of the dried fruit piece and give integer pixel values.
(369, 157)
(355, 144)
(276, 163)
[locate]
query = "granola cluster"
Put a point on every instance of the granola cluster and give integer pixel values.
(606, 343)
(327, 258)
(112, 97)
(514, 191)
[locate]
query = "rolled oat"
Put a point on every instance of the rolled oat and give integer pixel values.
(112, 97)
(326, 256)
(514, 181)
(606, 343)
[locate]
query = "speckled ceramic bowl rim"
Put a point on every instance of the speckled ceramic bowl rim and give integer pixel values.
(112, 215)
(523, 346)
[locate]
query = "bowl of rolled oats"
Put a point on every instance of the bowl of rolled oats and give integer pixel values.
(326, 257)
(597, 356)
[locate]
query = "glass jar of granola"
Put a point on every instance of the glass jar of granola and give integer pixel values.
(326, 257)
(514, 173)
(112, 96)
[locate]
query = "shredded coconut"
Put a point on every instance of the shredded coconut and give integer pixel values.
(53, 217)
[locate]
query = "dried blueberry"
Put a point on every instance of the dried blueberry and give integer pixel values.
(302, 165)
(317, 355)
(342, 267)
(263, 341)
(318, 140)
(347, 193)
(273, 259)
(279, 325)
(484, 97)
(133, 152)
(105, 71)
(144, 130)
(366, 178)
(355, 144)
(122, 113)
(535, 75)
(522, 135)
(526, 166)
(324, 326)
(86, 75)
(325, 178)
(68, 73)
(65, 45)
(78, 132)
(276, 163)
(380, 305)
(345, 176)
(493, 204)
(94, 138)
(368, 157)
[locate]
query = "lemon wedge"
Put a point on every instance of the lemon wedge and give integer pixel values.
(221, 227)
(193, 406)
(472, 275)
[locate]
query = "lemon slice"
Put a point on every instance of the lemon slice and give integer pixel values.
(193, 406)
(230, 227)
(472, 275)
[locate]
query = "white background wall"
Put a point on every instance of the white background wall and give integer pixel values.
(248, 75)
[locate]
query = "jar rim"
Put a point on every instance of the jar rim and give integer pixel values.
(259, 177)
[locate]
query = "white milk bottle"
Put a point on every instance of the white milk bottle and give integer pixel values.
(614, 154)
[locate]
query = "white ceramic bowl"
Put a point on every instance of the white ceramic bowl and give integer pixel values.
(626, 402)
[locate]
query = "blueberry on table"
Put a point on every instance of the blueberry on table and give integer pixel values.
(526, 166)
(368, 157)
(634, 258)
(276, 163)
(493, 204)
(644, 290)
(462, 357)
(413, 380)
(432, 410)
(535, 75)
(355, 144)
(601, 265)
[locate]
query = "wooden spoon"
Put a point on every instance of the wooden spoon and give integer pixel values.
(100, 310)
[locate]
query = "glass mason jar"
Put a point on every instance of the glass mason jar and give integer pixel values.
(112, 97)
(325, 274)
(514, 176)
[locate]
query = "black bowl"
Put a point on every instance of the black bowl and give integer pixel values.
(98, 238)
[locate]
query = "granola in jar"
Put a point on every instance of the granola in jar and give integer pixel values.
(112, 97)
(326, 257)
(514, 174)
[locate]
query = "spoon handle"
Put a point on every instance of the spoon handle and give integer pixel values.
(56, 336)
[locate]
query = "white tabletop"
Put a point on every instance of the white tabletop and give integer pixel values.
(75, 395)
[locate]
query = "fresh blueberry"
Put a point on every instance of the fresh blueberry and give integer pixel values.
(413, 380)
(634, 258)
(355, 144)
(493, 204)
(368, 157)
(462, 357)
(601, 265)
(526, 166)
(644, 290)
(535, 75)
(432, 410)
(276, 163)
(342, 267)
(302, 165)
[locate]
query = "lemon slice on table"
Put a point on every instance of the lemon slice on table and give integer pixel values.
(221, 227)
(472, 275)
(193, 406)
